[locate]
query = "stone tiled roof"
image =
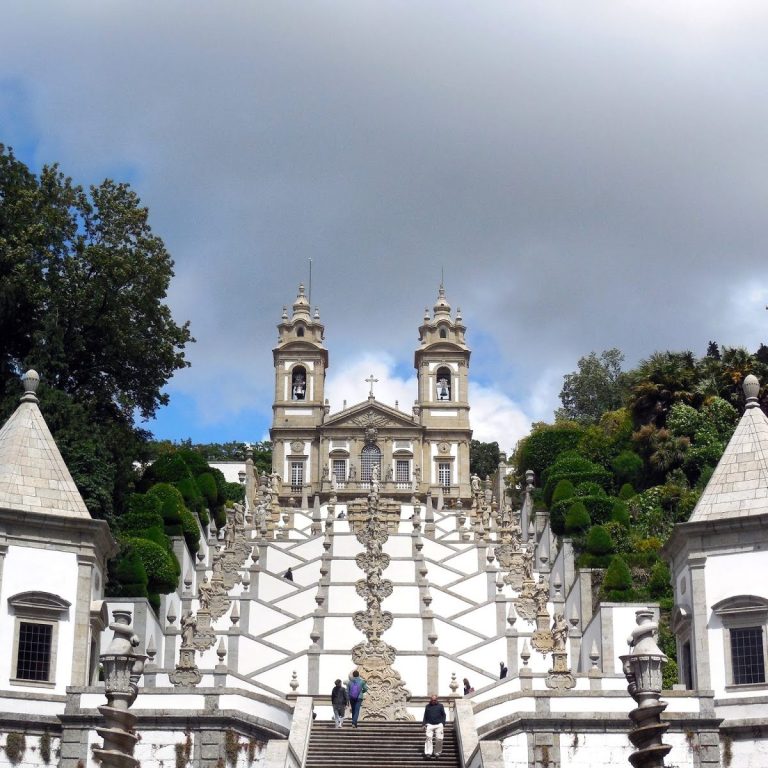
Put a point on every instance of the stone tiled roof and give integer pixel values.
(33, 475)
(739, 485)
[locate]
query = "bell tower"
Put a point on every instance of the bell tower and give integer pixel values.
(300, 361)
(442, 371)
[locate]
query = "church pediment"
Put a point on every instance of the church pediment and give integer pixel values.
(370, 414)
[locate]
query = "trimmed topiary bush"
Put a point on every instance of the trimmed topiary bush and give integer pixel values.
(599, 508)
(170, 468)
(191, 530)
(144, 513)
(620, 513)
(590, 489)
(127, 575)
(193, 499)
(627, 492)
(576, 469)
(599, 541)
(660, 583)
(628, 467)
(618, 577)
(161, 566)
(577, 519)
(171, 505)
(563, 490)
(206, 484)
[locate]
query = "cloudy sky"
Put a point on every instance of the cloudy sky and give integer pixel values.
(586, 174)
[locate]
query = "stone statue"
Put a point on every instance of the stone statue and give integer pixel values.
(390, 474)
(239, 514)
(204, 593)
(375, 478)
(528, 565)
(325, 473)
(541, 595)
(188, 627)
(334, 482)
(559, 632)
(275, 482)
(352, 472)
(229, 534)
(475, 484)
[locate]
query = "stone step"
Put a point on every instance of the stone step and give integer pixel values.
(376, 745)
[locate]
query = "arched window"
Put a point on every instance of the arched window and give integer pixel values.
(300, 331)
(298, 383)
(370, 457)
(443, 333)
(443, 383)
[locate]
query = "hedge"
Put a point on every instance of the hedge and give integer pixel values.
(599, 541)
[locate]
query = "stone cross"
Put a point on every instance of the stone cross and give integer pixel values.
(371, 381)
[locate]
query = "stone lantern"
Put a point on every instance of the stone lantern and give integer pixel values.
(643, 667)
(122, 670)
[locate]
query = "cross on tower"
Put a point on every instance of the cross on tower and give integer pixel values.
(371, 381)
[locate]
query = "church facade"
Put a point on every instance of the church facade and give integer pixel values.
(422, 450)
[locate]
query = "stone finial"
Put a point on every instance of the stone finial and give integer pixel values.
(294, 681)
(751, 390)
(317, 313)
(525, 654)
(454, 684)
(284, 316)
(221, 651)
(234, 614)
(30, 380)
(529, 477)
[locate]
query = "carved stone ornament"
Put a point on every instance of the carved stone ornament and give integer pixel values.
(387, 696)
(444, 448)
(525, 605)
(371, 419)
(297, 446)
(542, 641)
(372, 561)
(204, 637)
(186, 672)
(560, 681)
(370, 435)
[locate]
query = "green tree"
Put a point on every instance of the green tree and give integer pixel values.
(484, 458)
(596, 387)
(83, 281)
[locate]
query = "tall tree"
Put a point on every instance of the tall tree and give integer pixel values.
(83, 281)
(596, 387)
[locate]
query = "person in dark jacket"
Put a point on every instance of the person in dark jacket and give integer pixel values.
(356, 688)
(502, 670)
(433, 720)
(339, 702)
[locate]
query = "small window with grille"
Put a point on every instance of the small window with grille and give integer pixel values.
(340, 470)
(747, 658)
(444, 474)
(297, 476)
(370, 457)
(34, 651)
(402, 471)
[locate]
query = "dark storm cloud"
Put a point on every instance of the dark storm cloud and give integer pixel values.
(588, 175)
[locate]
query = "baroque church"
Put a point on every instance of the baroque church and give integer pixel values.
(403, 567)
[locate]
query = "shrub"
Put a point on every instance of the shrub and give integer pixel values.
(169, 468)
(577, 470)
(627, 492)
(563, 490)
(622, 540)
(628, 467)
(659, 585)
(544, 445)
(620, 513)
(206, 484)
(599, 508)
(171, 506)
(127, 575)
(191, 494)
(143, 513)
(220, 517)
(589, 489)
(161, 566)
(599, 541)
(577, 519)
(618, 577)
(195, 461)
(191, 530)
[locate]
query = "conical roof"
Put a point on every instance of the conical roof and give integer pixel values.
(33, 475)
(739, 485)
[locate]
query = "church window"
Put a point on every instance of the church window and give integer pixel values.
(35, 636)
(300, 331)
(298, 383)
(340, 470)
(744, 619)
(297, 476)
(747, 657)
(443, 383)
(370, 457)
(403, 471)
(443, 333)
(444, 474)
(33, 660)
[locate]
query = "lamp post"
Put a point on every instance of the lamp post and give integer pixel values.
(122, 670)
(643, 669)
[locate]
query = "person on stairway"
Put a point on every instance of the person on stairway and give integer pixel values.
(339, 702)
(434, 721)
(288, 574)
(356, 688)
